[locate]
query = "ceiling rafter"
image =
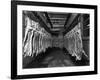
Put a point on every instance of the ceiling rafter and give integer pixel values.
(71, 19)
(72, 22)
(67, 18)
(46, 14)
(41, 21)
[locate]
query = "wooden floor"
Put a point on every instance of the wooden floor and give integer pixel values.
(55, 57)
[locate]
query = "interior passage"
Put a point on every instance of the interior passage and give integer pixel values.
(55, 57)
(55, 39)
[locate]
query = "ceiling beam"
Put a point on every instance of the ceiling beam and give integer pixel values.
(58, 25)
(55, 29)
(86, 19)
(46, 14)
(67, 18)
(72, 22)
(42, 18)
(57, 18)
(41, 21)
(60, 15)
(71, 19)
(86, 22)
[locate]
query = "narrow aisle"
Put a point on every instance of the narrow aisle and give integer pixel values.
(58, 59)
(44, 37)
(54, 57)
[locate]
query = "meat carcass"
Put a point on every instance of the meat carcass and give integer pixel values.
(73, 42)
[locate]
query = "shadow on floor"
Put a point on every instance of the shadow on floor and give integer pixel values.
(55, 57)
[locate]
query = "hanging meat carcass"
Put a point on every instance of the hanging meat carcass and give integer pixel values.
(73, 42)
(36, 38)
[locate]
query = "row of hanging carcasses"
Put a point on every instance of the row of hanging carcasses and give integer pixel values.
(73, 42)
(36, 39)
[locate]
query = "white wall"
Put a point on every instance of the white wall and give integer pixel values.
(5, 20)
